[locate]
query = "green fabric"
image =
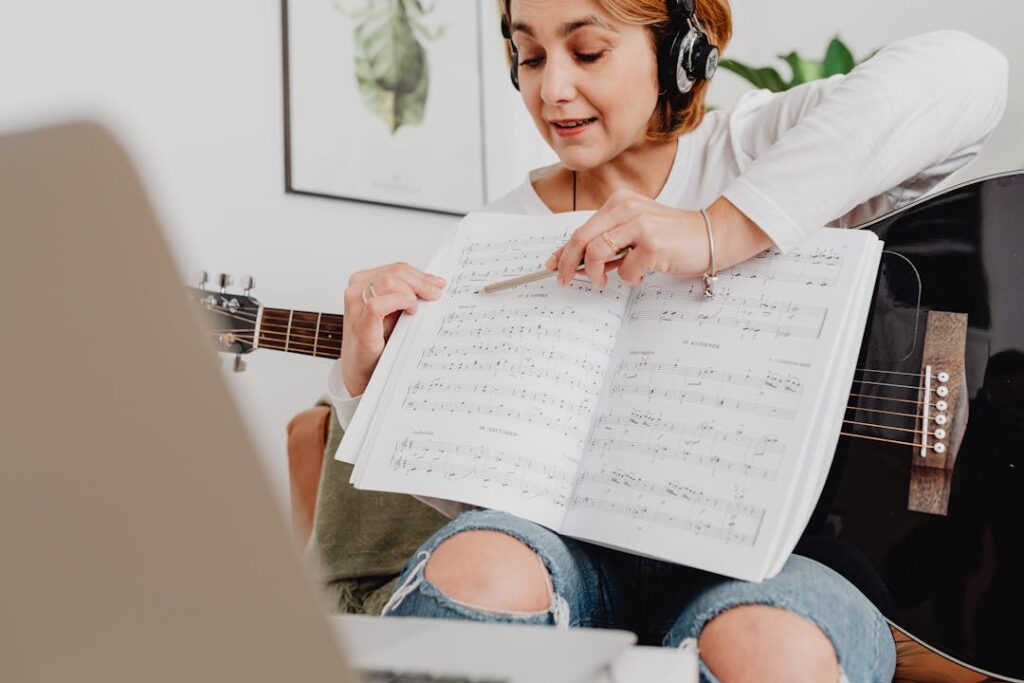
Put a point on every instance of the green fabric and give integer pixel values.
(363, 539)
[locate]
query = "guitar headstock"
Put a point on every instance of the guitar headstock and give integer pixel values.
(232, 319)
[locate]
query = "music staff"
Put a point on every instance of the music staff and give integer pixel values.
(712, 395)
(772, 381)
(673, 504)
(569, 371)
(569, 417)
(528, 477)
(750, 316)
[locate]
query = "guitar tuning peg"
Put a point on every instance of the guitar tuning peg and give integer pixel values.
(249, 283)
(203, 278)
(239, 364)
(225, 281)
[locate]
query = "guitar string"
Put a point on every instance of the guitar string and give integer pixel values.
(895, 429)
(250, 333)
(879, 438)
(328, 346)
(247, 336)
(332, 343)
(885, 412)
(891, 398)
(847, 422)
(853, 435)
(308, 349)
(268, 323)
(888, 384)
(265, 324)
(294, 343)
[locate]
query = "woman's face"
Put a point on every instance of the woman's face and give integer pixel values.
(590, 82)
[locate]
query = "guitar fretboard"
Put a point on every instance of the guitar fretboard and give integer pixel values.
(312, 334)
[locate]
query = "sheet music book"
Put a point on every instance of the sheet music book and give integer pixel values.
(652, 419)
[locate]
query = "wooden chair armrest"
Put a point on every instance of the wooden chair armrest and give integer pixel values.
(307, 437)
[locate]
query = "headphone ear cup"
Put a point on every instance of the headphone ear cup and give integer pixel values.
(514, 71)
(704, 59)
(668, 62)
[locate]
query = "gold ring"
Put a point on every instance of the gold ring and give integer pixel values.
(373, 293)
(610, 242)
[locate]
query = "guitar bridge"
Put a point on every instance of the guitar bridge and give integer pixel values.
(944, 411)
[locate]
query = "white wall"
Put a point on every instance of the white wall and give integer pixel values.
(194, 89)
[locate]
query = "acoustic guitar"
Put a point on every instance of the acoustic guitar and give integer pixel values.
(923, 509)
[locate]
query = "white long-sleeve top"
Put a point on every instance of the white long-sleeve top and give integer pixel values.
(831, 152)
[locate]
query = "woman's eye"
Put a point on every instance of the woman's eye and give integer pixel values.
(585, 57)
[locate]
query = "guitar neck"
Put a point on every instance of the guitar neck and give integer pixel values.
(305, 332)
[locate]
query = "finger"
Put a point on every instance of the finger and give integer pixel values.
(606, 219)
(552, 261)
(424, 284)
(609, 267)
(635, 265)
(370, 324)
(605, 248)
(401, 280)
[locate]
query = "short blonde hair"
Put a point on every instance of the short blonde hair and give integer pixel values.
(715, 17)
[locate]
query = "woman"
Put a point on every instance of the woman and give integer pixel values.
(597, 77)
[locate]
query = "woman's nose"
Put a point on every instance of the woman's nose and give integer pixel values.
(557, 82)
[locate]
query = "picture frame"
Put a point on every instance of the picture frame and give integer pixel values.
(383, 102)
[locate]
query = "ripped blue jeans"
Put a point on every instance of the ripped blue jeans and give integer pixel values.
(662, 603)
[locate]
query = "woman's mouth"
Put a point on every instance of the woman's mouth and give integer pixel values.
(568, 128)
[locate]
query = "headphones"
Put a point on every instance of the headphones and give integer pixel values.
(685, 55)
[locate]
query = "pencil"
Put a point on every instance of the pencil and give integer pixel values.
(533, 277)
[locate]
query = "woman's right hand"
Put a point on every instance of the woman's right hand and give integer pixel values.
(373, 301)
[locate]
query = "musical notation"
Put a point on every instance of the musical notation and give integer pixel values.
(526, 314)
(527, 406)
(771, 381)
(674, 504)
(729, 390)
(551, 335)
(816, 267)
(481, 264)
(636, 418)
(750, 316)
(703, 444)
(568, 370)
(490, 467)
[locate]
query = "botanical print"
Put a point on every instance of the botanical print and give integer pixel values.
(385, 102)
(391, 64)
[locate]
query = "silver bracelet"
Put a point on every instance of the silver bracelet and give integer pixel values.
(711, 276)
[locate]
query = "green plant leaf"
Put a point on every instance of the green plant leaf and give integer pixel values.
(391, 64)
(763, 77)
(838, 58)
(804, 70)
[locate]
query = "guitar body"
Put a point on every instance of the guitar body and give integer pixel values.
(953, 581)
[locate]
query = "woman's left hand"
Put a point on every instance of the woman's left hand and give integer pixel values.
(663, 240)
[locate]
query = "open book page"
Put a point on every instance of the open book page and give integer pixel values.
(711, 405)
(491, 397)
(833, 408)
(355, 436)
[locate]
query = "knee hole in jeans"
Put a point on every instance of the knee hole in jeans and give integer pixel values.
(762, 642)
(490, 570)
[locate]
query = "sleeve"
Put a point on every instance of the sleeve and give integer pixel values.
(841, 150)
(344, 404)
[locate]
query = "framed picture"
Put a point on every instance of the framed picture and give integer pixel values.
(383, 102)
